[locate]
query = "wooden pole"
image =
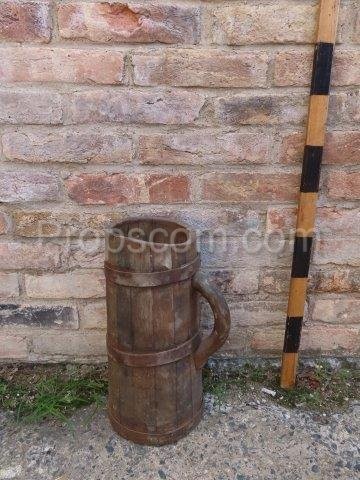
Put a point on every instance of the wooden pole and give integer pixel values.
(315, 137)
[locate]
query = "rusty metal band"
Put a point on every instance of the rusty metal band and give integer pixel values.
(151, 279)
(121, 426)
(153, 359)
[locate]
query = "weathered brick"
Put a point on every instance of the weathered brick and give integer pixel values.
(77, 284)
(349, 22)
(13, 347)
(67, 65)
(18, 256)
(63, 223)
(331, 339)
(240, 252)
(337, 310)
(106, 188)
(128, 22)
(38, 316)
(315, 339)
(132, 106)
(168, 188)
(192, 148)
(37, 107)
(242, 282)
(28, 186)
(344, 107)
(275, 280)
(339, 280)
(25, 21)
(267, 340)
(343, 184)
(207, 68)
(86, 253)
(340, 251)
(67, 145)
(329, 220)
(5, 223)
(257, 313)
(261, 109)
(341, 148)
(233, 187)
(9, 285)
(294, 68)
(278, 22)
(70, 344)
(93, 316)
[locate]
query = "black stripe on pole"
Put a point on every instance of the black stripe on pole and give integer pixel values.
(301, 257)
(320, 83)
(310, 176)
(292, 334)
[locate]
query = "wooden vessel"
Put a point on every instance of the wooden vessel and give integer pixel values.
(155, 349)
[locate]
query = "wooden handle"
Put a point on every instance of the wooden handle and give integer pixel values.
(216, 339)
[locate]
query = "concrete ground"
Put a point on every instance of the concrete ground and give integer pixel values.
(244, 439)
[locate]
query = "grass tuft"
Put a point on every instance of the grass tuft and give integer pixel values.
(51, 397)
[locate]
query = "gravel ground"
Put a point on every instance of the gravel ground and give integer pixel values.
(244, 439)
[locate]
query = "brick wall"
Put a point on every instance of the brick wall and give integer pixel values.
(194, 109)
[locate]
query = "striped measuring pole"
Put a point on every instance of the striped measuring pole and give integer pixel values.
(309, 187)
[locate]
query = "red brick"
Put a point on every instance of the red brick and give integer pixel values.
(5, 223)
(13, 347)
(234, 187)
(70, 344)
(338, 310)
(293, 68)
(25, 21)
(9, 285)
(19, 256)
(105, 188)
(128, 22)
(67, 145)
(168, 188)
(292, 148)
(28, 186)
(279, 22)
(341, 148)
(93, 316)
(344, 184)
(261, 109)
(135, 107)
(30, 107)
(66, 65)
(339, 280)
(77, 284)
(206, 68)
(192, 148)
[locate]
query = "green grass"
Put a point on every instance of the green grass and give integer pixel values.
(319, 388)
(41, 392)
(51, 397)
